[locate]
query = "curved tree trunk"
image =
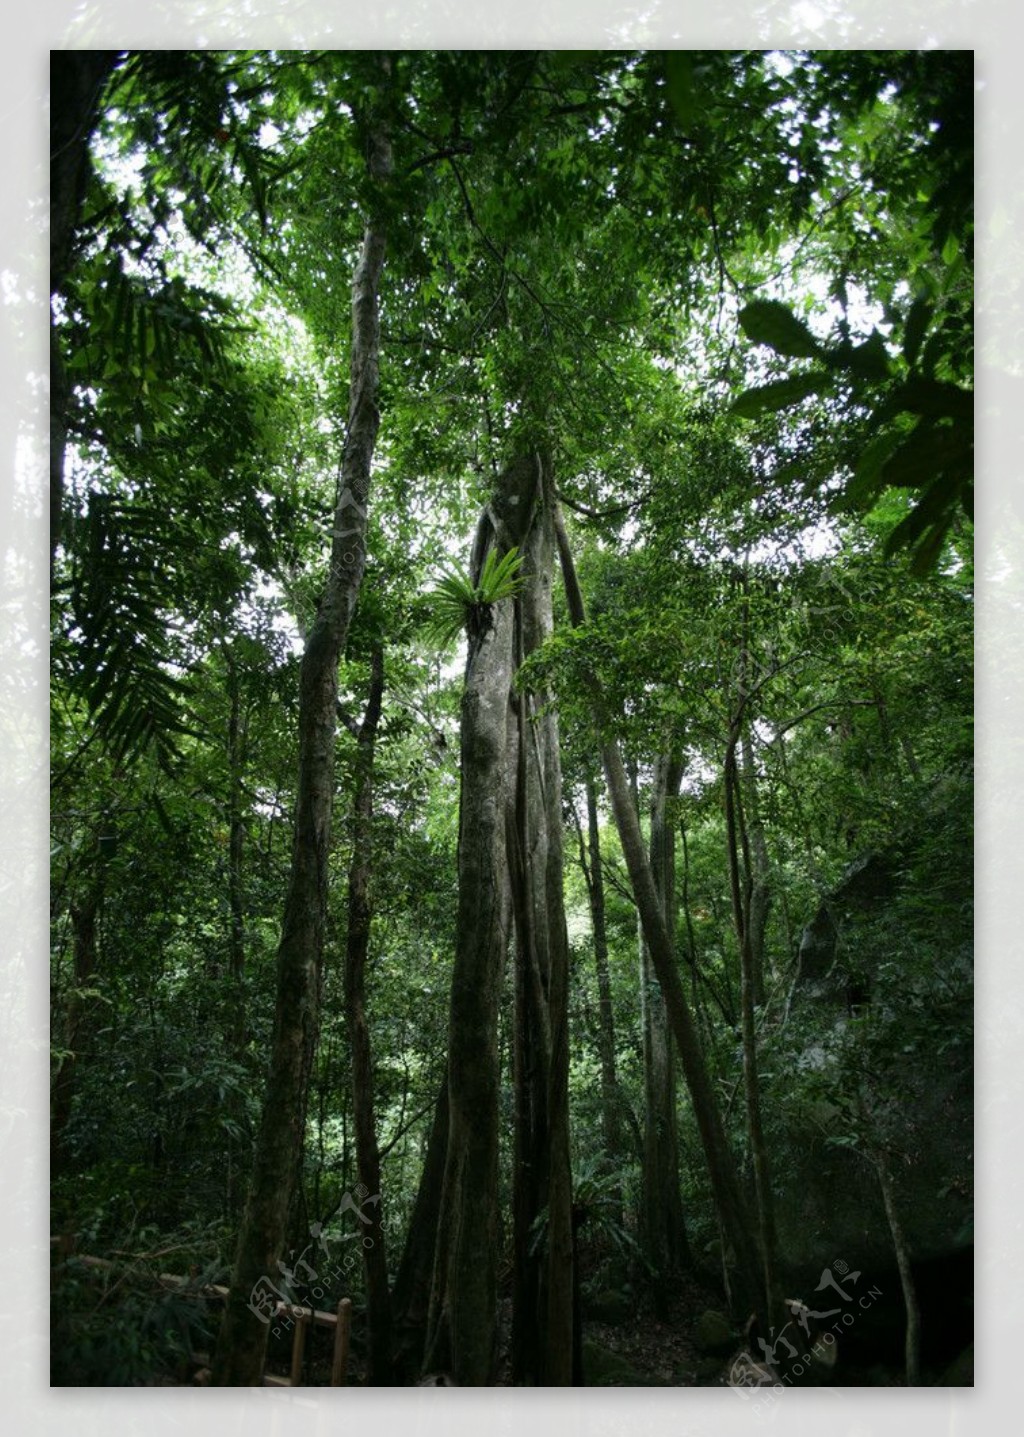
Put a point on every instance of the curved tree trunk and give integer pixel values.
(912, 1343)
(238, 1360)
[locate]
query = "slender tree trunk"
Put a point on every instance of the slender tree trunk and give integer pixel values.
(748, 881)
(530, 1078)
(238, 1360)
(721, 1166)
(701, 983)
(378, 1300)
(912, 1346)
(236, 827)
(237, 1018)
(590, 857)
(760, 868)
(662, 1226)
(735, 837)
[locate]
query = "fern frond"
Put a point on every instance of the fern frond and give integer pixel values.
(455, 596)
(499, 577)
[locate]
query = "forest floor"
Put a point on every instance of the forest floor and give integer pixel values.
(662, 1351)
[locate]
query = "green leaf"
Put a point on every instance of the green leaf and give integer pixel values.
(866, 483)
(934, 398)
(766, 321)
(927, 452)
(780, 394)
(924, 529)
(869, 359)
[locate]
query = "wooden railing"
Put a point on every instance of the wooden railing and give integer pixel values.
(303, 1317)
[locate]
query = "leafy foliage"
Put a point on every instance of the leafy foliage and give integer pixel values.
(926, 441)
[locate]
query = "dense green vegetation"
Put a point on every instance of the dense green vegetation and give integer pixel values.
(511, 709)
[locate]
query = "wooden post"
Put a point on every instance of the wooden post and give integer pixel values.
(339, 1367)
(298, 1344)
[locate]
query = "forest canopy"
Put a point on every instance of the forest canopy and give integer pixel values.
(511, 548)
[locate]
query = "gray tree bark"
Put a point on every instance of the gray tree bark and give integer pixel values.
(738, 845)
(461, 1323)
(510, 847)
(912, 1342)
(748, 880)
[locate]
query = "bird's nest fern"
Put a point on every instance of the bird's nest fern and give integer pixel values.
(456, 603)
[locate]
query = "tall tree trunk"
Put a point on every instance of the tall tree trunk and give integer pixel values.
(378, 1300)
(748, 882)
(236, 832)
(760, 867)
(238, 1360)
(736, 841)
(461, 1326)
(237, 1017)
(530, 1143)
(663, 1231)
(590, 859)
(699, 981)
(77, 79)
(912, 1345)
(543, 1319)
(509, 754)
(721, 1166)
